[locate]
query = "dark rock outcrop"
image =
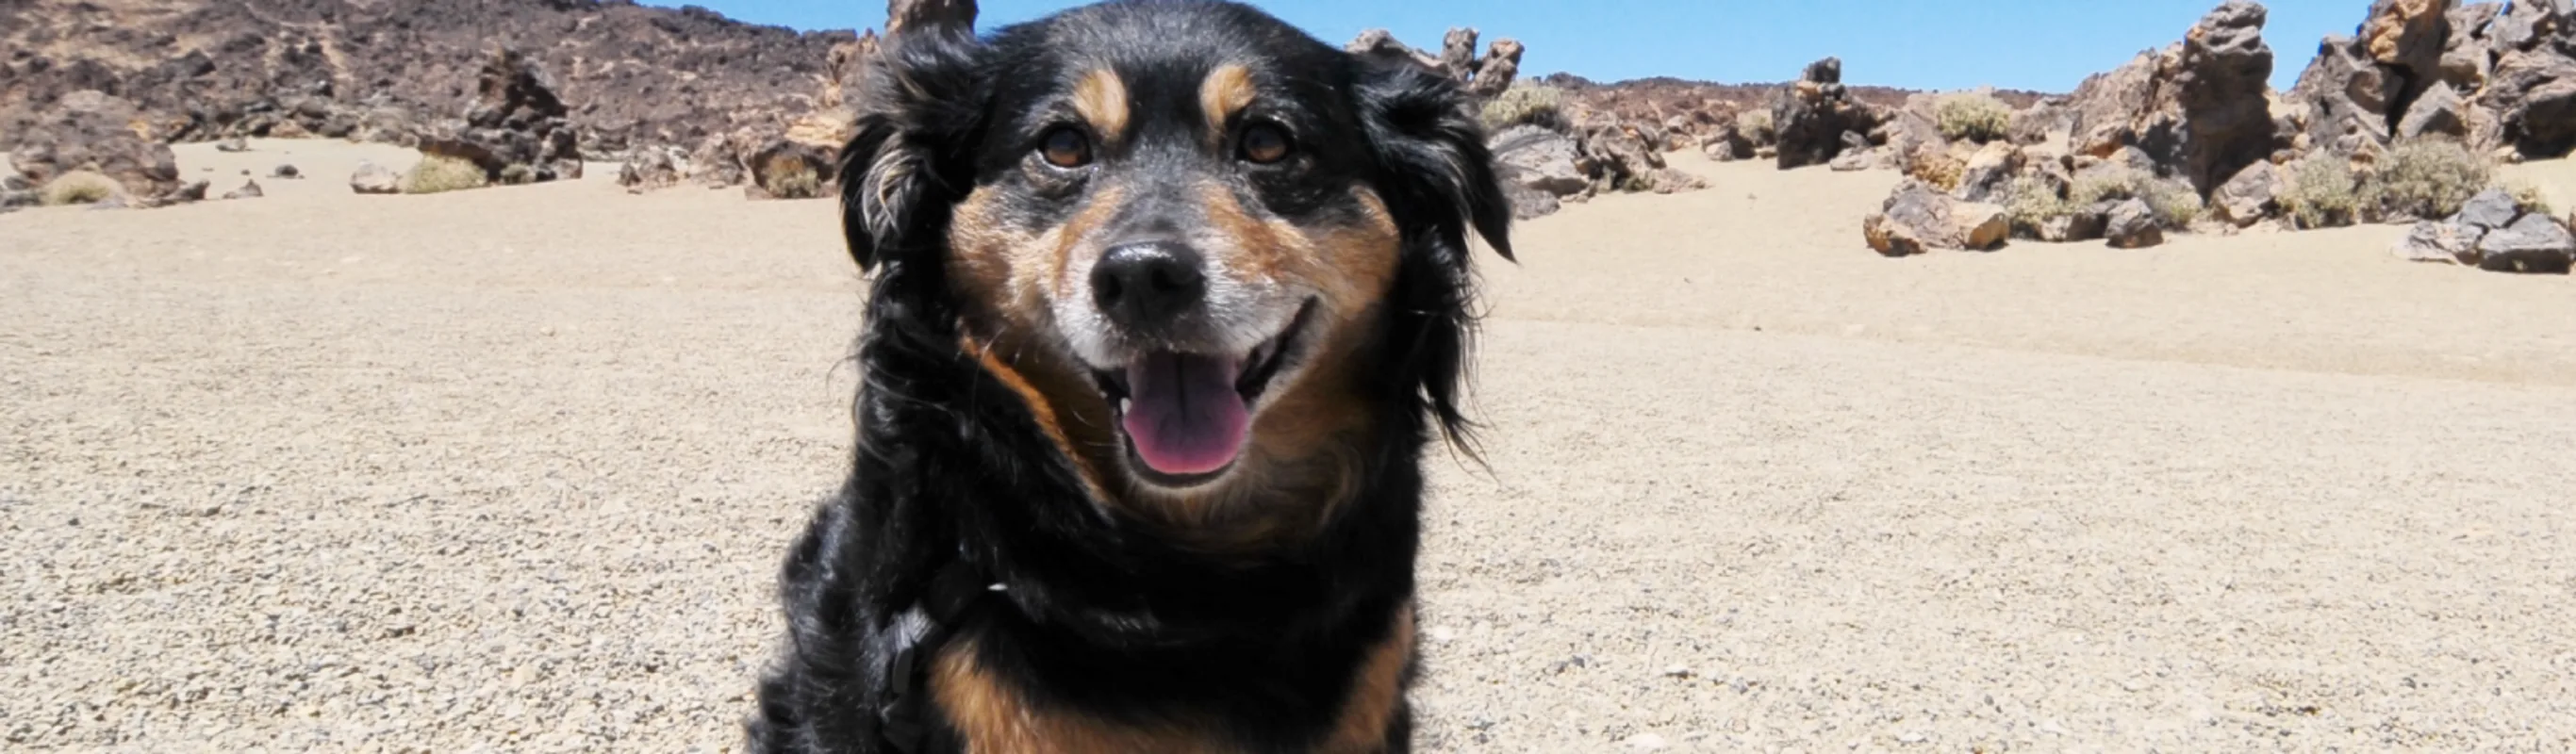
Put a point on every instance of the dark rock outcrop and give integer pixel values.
(1814, 115)
(93, 131)
(203, 70)
(517, 130)
(2492, 232)
(2197, 109)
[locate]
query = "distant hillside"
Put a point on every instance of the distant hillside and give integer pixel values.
(631, 74)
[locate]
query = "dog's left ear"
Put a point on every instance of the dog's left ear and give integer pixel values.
(899, 175)
(1432, 151)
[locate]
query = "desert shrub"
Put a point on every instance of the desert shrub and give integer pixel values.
(1527, 104)
(790, 177)
(1937, 167)
(2530, 198)
(2031, 202)
(441, 173)
(518, 175)
(2427, 178)
(1976, 117)
(2322, 193)
(1755, 124)
(78, 187)
(2175, 205)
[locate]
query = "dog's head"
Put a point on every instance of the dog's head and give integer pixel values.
(1210, 251)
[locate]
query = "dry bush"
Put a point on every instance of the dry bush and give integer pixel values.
(1976, 117)
(1755, 124)
(2032, 202)
(2530, 198)
(1937, 167)
(790, 177)
(2427, 178)
(2175, 205)
(441, 173)
(78, 187)
(1527, 104)
(2322, 193)
(518, 175)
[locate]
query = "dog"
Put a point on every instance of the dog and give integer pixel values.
(1166, 301)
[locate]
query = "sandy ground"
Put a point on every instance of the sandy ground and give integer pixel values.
(510, 470)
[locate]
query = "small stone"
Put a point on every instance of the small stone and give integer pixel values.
(1677, 671)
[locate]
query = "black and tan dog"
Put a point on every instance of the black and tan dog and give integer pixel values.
(1168, 299)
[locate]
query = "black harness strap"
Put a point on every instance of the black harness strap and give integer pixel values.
(906, 721)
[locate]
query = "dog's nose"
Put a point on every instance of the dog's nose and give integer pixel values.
(1147, 284)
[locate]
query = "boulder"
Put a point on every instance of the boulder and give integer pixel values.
(2492, 209)
(1382, 45)
(2468, 53)
(2253, 194)
(1814, 113)
(718, 160)
(650, 169)
(2533, 95)
(1499, 68)
(917, 14)
(2081, 225)
(249, 190)
(2197, 109)
(372, 178)
(1458, 53)
(2442, 242)
(1540, 160)
(517, 130)
(90, 130)
(2440, 111)
(2535, 243)
(2408, 37)
(2132, 225)
(1918, 218)
(1855, 160)
(1989, 173)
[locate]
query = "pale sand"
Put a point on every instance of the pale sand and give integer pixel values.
(513, 468)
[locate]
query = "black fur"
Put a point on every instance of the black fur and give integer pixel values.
(1099, 616)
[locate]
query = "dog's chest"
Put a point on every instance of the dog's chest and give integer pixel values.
(991, 716)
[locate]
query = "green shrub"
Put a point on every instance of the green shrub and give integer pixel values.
(2427, 178)
(78, 187)
(1527, 104)
(1976, 117)
(441, 173)
(2322, 193)
(518, 174)
(2175, 205)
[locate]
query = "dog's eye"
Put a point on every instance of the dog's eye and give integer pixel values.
(1065, 148)
(1264, 144)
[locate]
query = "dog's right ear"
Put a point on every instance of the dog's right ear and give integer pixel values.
(909, 161)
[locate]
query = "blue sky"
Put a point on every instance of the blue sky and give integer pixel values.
(2046, 45)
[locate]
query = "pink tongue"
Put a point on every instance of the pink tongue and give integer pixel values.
(1184, 414)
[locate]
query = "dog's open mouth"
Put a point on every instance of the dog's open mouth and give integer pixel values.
(1187, 416)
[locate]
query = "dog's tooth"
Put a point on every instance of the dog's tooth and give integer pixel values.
(1122, 405)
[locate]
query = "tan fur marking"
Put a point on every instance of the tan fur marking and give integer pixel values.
(1101, 99)
(1226, 91)
(993, 718)
(1375, 694)
(1042, 409)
